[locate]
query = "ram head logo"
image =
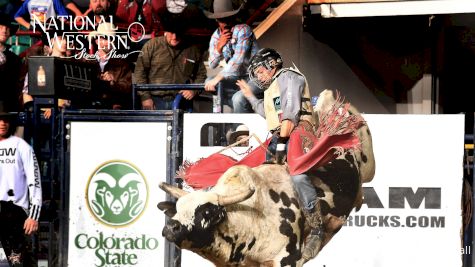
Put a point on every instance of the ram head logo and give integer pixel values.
(117, 193)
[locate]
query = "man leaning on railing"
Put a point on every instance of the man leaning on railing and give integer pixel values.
(168, 59)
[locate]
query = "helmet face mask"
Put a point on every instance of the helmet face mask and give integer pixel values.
(262, 65)
(262, 76)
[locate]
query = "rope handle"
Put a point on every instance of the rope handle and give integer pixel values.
(245, 140)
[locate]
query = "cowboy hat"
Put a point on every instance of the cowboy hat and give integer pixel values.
(5, 20)
(240, 130)
(173, 23)
(104, 29)
(7, 115)
(10, 116)
(222, 9)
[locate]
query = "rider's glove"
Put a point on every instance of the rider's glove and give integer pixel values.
(280, 151)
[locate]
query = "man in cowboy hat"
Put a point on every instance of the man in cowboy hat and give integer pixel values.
(115, 73)
(168, 59)
(10, 65)
(235, 44)
(241, 132)
(20, 194)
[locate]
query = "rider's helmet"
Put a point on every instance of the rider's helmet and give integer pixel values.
(269, 59)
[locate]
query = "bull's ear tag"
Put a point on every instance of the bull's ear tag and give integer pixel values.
(116, 193)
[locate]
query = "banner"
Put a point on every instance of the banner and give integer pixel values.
(114, 175)
(411, 214)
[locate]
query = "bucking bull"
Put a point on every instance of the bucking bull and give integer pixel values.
(252, 216)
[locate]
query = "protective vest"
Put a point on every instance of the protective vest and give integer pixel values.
(272, 104)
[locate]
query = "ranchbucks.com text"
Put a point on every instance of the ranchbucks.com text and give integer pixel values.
(396, 221)
(400, 198)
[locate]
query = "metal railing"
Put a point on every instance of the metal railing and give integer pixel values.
(168, 87)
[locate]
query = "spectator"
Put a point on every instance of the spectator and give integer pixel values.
(241, 132)
(146, 12)
(20, 194)
(100, 11)
(168, 59)
(39, 11)
(115, 73)
(235, 44)
(10, 65)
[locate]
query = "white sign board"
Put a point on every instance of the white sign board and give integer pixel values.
(411, 214)
(114, 175)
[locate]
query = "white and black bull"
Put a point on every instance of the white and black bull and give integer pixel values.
(252, 217)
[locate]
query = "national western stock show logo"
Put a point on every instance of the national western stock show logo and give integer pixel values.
(116, 195)
(75, 32)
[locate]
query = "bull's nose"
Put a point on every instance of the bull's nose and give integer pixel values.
(171, 230)
(175, 226)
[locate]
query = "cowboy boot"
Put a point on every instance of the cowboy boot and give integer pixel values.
(313, 244)
(314, 240)
(314, 216)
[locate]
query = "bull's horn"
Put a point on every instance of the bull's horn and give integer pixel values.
(172, 190)
(236, 198)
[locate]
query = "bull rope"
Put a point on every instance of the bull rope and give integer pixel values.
(243, 141)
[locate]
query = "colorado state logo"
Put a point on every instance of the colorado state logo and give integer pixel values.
(116, 193)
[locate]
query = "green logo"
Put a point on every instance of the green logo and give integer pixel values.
(276, 101)
(116, 193)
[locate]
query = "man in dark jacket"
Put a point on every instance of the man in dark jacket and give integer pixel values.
(168, 59)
